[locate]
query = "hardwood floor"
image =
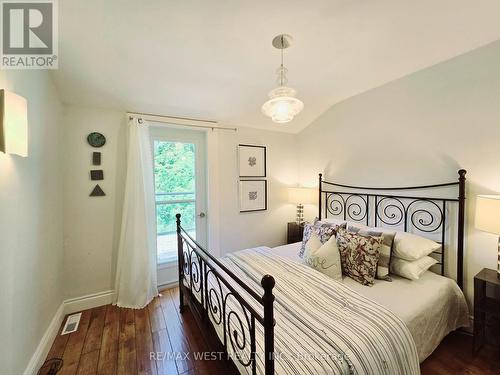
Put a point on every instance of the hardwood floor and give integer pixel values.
(111, 340)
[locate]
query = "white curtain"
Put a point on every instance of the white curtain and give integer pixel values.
(135, 283)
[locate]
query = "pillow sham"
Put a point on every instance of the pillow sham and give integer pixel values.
(323, 230)
(385, 249)
(409, 246)
(406, 245)
(359, 255)
(411, 270)
(324, 258)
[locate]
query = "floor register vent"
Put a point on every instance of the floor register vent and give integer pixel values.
(71, 324)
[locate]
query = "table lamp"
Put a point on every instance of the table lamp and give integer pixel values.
(300, 196)
(488, 218)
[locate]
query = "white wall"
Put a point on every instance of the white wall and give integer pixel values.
(249, 229)
(30, 224)
(419, 129)
(92, 224)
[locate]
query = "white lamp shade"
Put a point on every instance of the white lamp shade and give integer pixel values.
(301, 195)
(282, 105)
(13, 124)
(488, 213)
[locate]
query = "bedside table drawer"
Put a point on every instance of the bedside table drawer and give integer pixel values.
(294, 233)
(484, 305)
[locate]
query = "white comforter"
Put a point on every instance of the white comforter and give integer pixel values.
(431, 307)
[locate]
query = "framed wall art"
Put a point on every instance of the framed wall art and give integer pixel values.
(252, 161)
(253, 195)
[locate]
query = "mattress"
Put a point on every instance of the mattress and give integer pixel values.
(431, 307)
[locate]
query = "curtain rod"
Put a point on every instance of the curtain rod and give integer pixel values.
(183, 121)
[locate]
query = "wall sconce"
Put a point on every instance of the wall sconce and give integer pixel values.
(13, 124)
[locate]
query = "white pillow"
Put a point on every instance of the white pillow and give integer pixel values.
(409, 246)
(324, 258)
(332, 220)
(312, 244)
(411, 270)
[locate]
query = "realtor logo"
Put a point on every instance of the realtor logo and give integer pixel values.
(29, 34)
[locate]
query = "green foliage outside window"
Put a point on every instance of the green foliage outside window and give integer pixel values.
(174, 168)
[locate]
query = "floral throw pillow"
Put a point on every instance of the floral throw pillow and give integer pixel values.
(359, 255)
(322, 229)
(385, 250)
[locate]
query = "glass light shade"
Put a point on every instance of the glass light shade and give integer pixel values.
(488, 213)
(13, 124)
(301, 195)
(282, 105)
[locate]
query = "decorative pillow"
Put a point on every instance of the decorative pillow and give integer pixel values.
(411, 270)
(324, 258)
(406, 245)
(359, 255)
(385, 250)
(409, 246)
(312, 245)
(323, 230)
(332, 220)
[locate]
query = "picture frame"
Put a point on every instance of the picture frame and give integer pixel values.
(253, 195)
(251, 161)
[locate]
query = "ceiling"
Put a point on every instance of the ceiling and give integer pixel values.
(214, 59)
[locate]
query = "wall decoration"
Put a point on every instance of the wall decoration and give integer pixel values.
(96, 174)
(252, 161)
(96, 139)
(96, 158)
(253, 195)
(97, 192)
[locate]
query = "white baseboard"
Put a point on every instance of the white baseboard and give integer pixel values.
(89, 301)
(68, 306)
(168, 285)
(46, 342)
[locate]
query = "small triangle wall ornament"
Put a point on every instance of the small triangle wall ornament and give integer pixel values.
(97, 192)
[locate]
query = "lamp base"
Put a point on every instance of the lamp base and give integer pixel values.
(299, 219)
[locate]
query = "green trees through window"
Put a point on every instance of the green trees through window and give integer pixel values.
(175, 185)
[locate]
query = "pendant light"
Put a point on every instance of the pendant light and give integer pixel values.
(282, 105)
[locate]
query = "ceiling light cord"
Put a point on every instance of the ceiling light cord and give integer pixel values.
(282, 68)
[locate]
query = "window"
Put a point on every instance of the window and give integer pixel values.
(175, 192)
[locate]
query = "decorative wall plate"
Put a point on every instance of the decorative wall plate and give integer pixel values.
(97, 192)
(96, 139)
(96, 158)
(97, 174)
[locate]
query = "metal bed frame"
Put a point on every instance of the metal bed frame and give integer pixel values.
(202, 275)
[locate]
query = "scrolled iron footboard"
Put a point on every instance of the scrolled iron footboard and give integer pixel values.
(196, 267)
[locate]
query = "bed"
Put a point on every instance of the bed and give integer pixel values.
(431, 307)
(270, 314)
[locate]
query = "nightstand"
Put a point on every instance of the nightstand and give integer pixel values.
(484, 305)
(295, 232)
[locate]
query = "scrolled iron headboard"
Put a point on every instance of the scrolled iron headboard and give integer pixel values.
(424, 213)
